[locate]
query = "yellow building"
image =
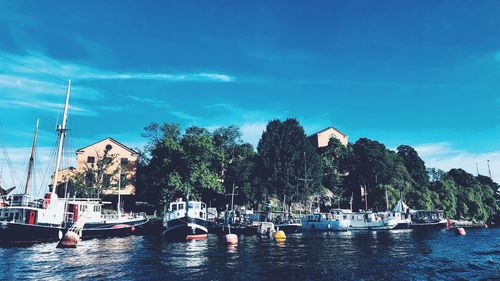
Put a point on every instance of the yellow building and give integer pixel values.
(88, 157)
(321, 138)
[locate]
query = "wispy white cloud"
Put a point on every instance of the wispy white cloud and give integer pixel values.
(445, 157)
(84, 72)
(23, 87)
(161, 104)
(56, 107)
(435, 149)
(252, 132)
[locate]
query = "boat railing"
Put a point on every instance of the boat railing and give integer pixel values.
(129, 215)
(20, 201)
(76, 200)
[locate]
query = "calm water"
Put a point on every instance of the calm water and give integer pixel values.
(401, 255)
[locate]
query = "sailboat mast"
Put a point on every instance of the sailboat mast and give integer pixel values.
(32, 159)
(386, 200)
(62, 133)
(119, 190)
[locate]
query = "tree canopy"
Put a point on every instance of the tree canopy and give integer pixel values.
(207, 165)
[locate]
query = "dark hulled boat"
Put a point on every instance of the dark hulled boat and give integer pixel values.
(25, 219)
(428, 219)
(185, 221)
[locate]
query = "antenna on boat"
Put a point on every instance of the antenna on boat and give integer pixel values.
(32, 158)
(62, 133)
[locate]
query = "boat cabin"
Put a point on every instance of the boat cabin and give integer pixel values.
(324, 217)
(428, 216)
(179, 209)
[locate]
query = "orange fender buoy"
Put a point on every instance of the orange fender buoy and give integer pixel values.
(70, 240)
(232, 239)
(460, 231)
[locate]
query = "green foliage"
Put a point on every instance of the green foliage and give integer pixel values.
(287, 160)
(334, 160)
(414, 165)
(372, 165)
(96, 177)
(207, 165)
(194, 164)
(461, 195)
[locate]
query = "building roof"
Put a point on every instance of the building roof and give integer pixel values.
(113, 141)
(330, 128)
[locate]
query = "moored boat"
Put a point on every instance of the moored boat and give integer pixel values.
(401, 213)
(423, 219)
(185, 220)
(289, 227)
(367, 220)
(325, 222)
(24, 218)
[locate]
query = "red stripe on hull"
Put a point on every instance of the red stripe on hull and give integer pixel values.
(196, 237)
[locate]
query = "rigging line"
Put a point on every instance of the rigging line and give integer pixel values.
(32, 68)
(49, 166)
(13, 173)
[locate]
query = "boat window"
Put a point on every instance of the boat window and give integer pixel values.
(181, 206)
(174, 207)
(203, 205)
(190, 205)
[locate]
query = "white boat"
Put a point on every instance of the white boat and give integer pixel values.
(185, 220)
(326, 222)
(367, 220)
(401, 213)
(24, 218)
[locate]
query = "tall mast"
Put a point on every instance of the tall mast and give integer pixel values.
(62, 133)
(32, 159)
(305, 180)
(119, 190)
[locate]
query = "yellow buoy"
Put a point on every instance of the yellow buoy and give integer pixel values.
(280, 235)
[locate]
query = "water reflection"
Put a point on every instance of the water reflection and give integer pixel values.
(232, 249)
(402, 254)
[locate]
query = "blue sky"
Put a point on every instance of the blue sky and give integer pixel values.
(422, 73)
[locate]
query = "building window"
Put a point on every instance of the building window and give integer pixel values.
(124, 161)
(91, 159)
(109, 147)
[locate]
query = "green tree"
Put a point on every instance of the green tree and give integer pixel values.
(95, 177)
(334, 159)
(414, 164)
(288, 158)
(371, 165)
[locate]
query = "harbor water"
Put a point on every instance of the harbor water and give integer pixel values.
(361, 255)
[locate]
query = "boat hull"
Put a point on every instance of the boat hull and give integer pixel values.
(342, 225)
(435, 225)
(185, 229)
(15, 233)
(289, 227)
(122, 228)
